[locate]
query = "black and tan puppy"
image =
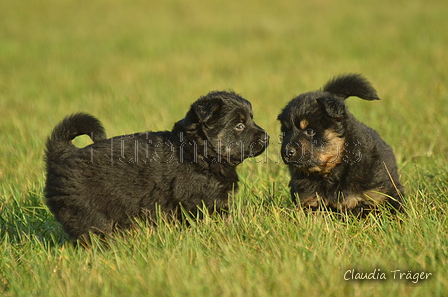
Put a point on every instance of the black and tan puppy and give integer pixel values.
(105, 185)
(335, 161)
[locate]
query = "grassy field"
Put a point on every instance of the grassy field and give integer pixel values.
(138, 65)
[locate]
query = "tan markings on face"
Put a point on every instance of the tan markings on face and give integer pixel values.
(315, 169)
(304, 124)
(333, 151)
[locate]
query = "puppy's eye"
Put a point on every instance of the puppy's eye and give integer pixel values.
(240, 127)
(310, 132)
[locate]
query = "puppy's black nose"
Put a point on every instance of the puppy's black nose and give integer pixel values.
(290, 152)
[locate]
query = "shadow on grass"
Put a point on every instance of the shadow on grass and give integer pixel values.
(24, 218)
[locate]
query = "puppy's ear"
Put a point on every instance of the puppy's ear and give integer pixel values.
(200, 112)
(351, 85)
(333, 107)
(204, 109)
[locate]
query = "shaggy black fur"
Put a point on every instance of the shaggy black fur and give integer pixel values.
(105, 185)
(335, 161)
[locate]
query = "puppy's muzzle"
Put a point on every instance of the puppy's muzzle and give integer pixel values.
(297, 154)
(292, 152)
(264, 139)
(259, 144)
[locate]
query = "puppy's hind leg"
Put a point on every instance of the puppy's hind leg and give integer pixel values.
(82, 234)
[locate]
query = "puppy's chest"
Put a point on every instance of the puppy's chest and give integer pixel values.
(219, 177)
(198, 186)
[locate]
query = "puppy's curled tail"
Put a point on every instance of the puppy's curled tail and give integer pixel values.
(72, 126)
(351, 85)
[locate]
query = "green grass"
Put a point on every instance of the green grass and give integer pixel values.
(138, 65)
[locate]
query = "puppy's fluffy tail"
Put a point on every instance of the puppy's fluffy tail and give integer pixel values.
(351, 85)
(72, 126)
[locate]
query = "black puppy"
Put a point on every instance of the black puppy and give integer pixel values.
(105, 185)
(335, 161)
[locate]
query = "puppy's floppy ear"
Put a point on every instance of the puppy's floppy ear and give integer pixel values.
(200, 112)
(333, 107)
(351, 85)
(204, 109)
